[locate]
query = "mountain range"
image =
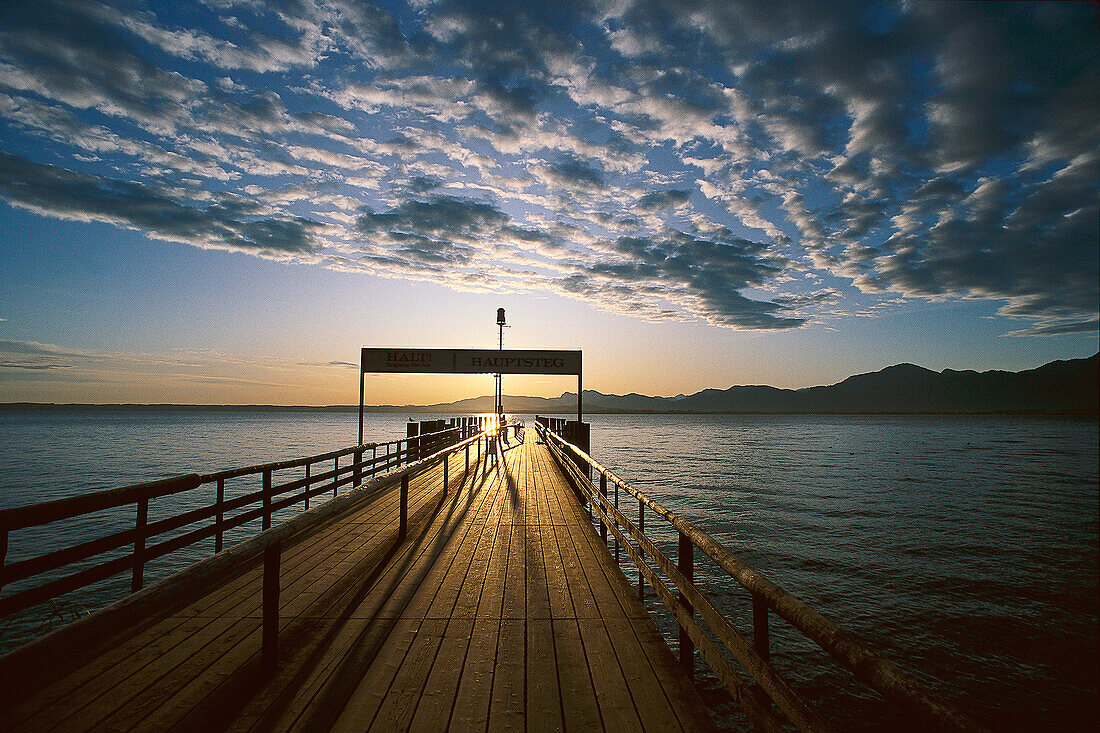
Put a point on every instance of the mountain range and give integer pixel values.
(1060, 387)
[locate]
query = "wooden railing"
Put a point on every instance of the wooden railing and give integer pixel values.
(688, 603)
(323, 474)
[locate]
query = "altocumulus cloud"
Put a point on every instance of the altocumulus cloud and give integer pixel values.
(756, 165)
(230, 224)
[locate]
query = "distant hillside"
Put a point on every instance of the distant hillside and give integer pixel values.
(1060, 387)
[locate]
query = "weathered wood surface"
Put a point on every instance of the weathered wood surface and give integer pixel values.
(502, 610)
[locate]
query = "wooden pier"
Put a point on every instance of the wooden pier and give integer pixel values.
(452, 586)
(501, 609)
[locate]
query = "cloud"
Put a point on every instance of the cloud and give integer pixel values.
(228, 224)
(573, 172)
(35, 356)
(27, 360)
(656, 200)
(1058, 329)
(928, 150)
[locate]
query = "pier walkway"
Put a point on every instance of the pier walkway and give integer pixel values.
(501, 610)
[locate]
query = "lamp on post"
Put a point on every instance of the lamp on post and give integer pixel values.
(500, 345)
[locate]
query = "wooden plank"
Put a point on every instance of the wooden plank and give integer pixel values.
(56, 695)
(588, 547)
(603, 566)
(471, 708)
(437, 702)
(577, 693)
(450, 584)
(47, 709)
(683, 697)
(514, 604)
(544, 703)
(561, 603)
(491, 603)
(125, 658)
(131, 697)
(149, 700)
(349, 633)
(469, 596)
(227, 680)
(360, 709)
(399, 704)
(316, 641)
(506, 707)
(538, 594)
(584, 603)
(650, 700)
(612, 695)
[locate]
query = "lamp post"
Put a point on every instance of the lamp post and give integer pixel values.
(500, 345)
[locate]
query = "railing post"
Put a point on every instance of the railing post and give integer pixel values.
(308, 487)
(358, 472)
(335, 475)
(219, 519)
(270, 653)
(467, 459)
(686, 566)
(266, 494)
(603, 493)
(139, 545)
(373, 459)
(616, 509)
(641, 530)
(3, 555)
(403, 522)
(760, 640)
(445, 456)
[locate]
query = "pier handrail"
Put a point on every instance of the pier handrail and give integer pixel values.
(881, 675)
(268, 499)
(24, 668)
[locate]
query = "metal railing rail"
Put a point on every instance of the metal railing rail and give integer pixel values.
(895, 685)
(226, 514)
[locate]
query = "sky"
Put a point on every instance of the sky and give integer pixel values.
(221, 201)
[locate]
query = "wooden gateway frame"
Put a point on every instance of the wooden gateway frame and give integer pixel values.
(467, 361)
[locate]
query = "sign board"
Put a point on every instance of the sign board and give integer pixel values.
(471, 361)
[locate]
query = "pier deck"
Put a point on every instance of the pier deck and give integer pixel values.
(501, 610)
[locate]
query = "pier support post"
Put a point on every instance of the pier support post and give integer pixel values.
(266, 495)
(760, 640)
(402, 526)
(3, 554)
(603, 493)
(616, 536)
(686, 566)
(308, 487)
(139, 545)
(641, 530)
(270, 653)
(219, 519)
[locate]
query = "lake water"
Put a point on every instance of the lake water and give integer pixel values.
(965, 549)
